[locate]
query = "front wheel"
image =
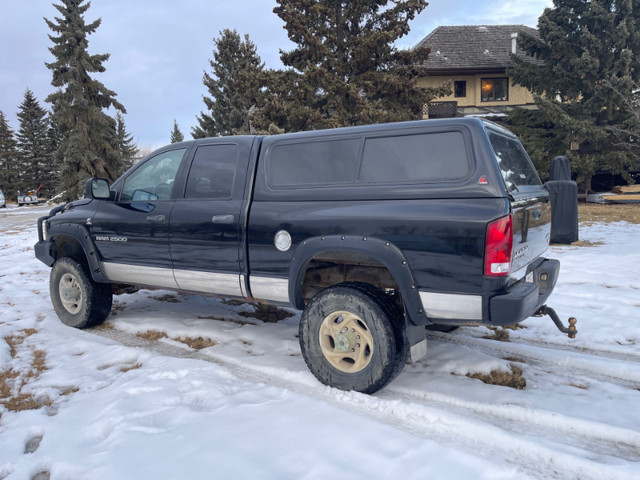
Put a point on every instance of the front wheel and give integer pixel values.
(78, 300)
(352, 338)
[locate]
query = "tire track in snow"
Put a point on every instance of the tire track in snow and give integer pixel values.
(617, 355)
(423, 415)
(592, 436)
(625, 373)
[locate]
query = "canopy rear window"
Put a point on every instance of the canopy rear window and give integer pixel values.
(515, 165)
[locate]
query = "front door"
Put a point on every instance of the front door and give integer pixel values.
(132, 233)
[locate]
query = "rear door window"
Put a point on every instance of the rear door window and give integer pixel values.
(516, 166)
(415, 158)
(212, 172)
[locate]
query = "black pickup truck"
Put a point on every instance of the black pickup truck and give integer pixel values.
(376, 232)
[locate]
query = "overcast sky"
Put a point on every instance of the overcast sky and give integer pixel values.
(160, 49)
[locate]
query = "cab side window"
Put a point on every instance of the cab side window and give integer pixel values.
(153, 180)
(212, 172)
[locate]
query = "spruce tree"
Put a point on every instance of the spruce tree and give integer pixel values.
(176, 134)
(89, 145)
(128, 149)
(590, 48)
(35, 157)
(8, 159)
(349, 71)
(234, 87)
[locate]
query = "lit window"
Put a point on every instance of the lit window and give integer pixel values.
(495, 89)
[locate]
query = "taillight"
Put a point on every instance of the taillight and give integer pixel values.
(497, 247)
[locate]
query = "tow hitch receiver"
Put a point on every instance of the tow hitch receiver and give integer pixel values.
(571, 330)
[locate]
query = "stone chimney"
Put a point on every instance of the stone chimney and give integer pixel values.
(514, 42)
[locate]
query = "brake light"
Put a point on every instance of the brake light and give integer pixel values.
(497, 247)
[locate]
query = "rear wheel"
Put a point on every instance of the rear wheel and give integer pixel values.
(352, 338)
(78, 300)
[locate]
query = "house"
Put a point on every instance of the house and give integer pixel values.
(473, 60)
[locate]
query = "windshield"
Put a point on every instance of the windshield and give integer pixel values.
(515, 165)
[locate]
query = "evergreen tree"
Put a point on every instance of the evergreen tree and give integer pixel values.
(35, 157)
(628, 134)
(89, 145)
(590, 48)
(8, 159)
(348, 70)
(287, 105)
(176, 134)
(128, 149)
(234, 86)
(54, 141)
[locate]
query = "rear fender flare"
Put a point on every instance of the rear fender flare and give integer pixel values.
(381, 250)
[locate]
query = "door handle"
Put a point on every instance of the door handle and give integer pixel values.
(156, 218)
(226, 219)
(537, 214)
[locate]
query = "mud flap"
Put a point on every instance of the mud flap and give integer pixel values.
(417, 338)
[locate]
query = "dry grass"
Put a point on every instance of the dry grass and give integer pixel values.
(590, 213)
(498, 334)
(128, 368)
(13, 382)
(233, 302)
(586, 243)
(267, 313)
(196, 343)
(103, 326)
(224, 319)
(579, 385)
(513, 379)
(514, 359)
(68, 391)
(169, 298)
(152, 335)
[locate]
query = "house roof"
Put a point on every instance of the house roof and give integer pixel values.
(473, 47)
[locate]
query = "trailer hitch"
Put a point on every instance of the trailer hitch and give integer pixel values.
(571, 330)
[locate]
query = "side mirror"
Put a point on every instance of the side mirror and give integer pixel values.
(97, 188)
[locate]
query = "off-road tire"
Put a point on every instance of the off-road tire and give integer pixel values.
(379, 317)
(89, 302)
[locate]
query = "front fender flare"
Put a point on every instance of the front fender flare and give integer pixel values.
(381, 250)
(82, 236)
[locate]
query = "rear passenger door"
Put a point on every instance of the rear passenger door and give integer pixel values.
(205, 226)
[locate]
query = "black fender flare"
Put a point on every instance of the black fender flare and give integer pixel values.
(381, 250)
(82, 236)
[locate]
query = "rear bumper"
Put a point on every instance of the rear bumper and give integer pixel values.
(524, 298)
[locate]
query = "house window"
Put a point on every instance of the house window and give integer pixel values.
(460, 89)
(495, 89)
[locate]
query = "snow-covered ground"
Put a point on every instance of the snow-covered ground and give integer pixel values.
(113, 404)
